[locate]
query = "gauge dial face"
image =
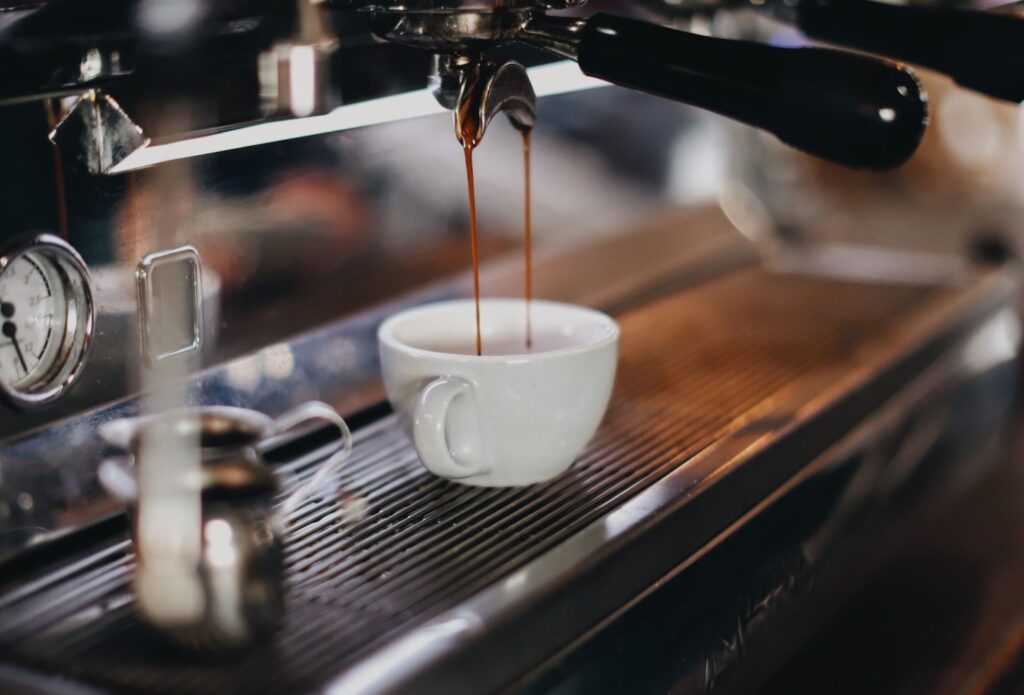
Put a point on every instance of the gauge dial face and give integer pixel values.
(46, 315)
(33, 311)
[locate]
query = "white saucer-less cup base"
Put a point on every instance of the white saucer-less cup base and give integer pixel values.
(508, 418)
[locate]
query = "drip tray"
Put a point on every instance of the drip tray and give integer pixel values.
(398, 547)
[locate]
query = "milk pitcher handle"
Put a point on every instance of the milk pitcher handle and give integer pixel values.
(308, 412)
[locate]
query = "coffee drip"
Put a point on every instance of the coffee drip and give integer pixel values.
(470, 135)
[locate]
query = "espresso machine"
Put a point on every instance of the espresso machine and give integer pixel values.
(210, 207)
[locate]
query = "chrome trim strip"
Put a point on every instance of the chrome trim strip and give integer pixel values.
(554, 78)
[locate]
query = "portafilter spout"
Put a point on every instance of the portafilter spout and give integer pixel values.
(477, 89)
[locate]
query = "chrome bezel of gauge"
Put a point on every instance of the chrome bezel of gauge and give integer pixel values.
(79, 321)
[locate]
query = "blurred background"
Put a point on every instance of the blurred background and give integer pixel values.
(302, 236)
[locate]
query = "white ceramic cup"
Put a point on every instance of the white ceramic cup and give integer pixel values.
(512, 416)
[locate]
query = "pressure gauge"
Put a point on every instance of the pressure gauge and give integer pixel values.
(46, 319)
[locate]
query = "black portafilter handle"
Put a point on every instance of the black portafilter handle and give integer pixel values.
(847, 108)
(981, 50)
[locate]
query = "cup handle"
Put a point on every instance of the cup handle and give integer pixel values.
(315, 410)
(430, 419)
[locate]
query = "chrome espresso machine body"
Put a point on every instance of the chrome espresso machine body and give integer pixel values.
(209, 207)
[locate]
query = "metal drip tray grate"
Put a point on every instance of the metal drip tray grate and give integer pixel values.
(398, 546)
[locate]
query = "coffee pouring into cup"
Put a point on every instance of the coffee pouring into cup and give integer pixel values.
(512, 416)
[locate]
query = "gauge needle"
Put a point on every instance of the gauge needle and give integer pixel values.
(11, 331)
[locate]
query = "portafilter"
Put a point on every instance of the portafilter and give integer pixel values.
(852, 109)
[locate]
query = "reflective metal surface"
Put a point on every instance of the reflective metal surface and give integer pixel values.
(757, 581)
(209, 574)
(229, 595)
(453, 6)
(560, 600)
(337, 364)
(420, 581)
(97, 132)
(547, 80)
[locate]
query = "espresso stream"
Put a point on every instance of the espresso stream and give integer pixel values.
(468, 150)
(528, 280)
(469, 132)
(469, 142)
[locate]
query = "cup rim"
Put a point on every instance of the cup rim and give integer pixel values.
(385, 332)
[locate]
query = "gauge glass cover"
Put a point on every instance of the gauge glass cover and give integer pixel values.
(46, 317)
